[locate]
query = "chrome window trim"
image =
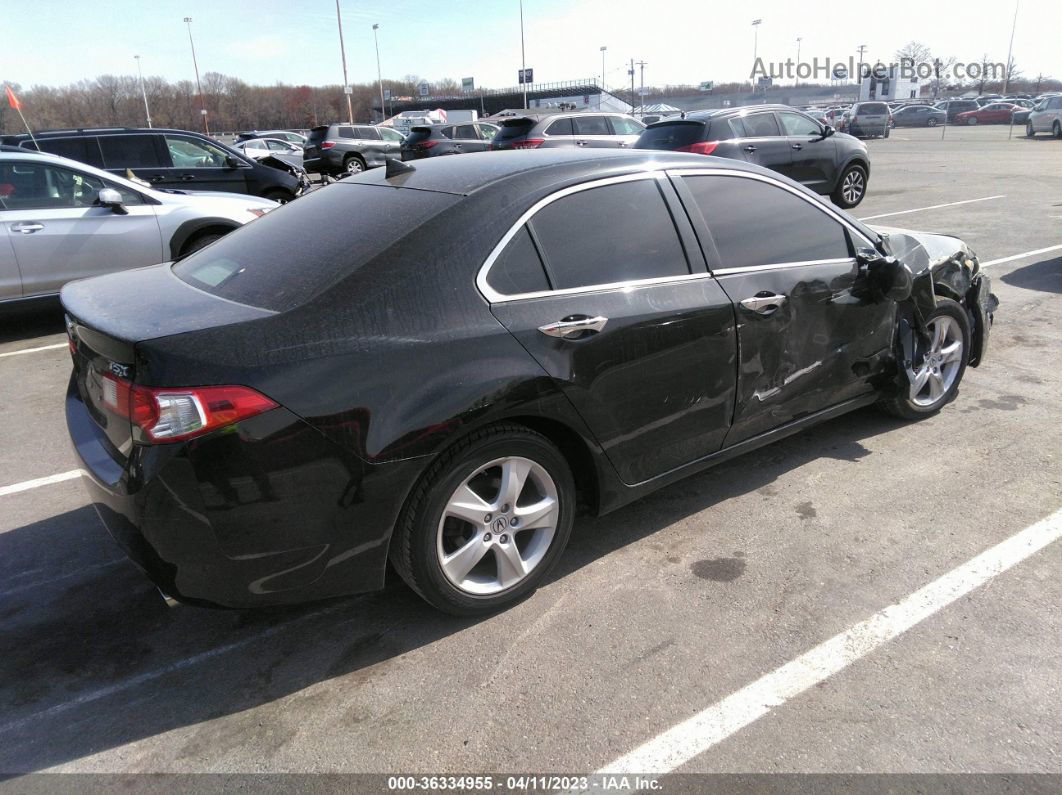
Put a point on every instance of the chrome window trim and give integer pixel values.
(494, 297)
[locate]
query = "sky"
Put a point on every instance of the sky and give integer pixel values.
(681, 41)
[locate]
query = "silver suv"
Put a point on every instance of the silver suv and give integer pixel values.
(1046, 117)
(550, 130)
(64, 220)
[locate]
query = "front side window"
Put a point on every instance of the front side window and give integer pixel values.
(797, 125)
(758, 223)
(591, 125)
(518, 269)
(41, 186)
(613, 233)
(193, 153)
(761, 125)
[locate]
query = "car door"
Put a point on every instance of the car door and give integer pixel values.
(370, 144)
(761, 141)
(597, 287)
(10, 278)
(813, 155)
(810, 334)
(197, 164)
(59, 234)
(593, 132)
(558, 133)
(466, 139)
(487, 132)
(626, 130)
(392, 142)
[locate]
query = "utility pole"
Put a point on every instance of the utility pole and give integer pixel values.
(641, 92)
(603, 67)
(198, 85)
(799, 39)
(1010, 49)
(862, 48)
(631, 73)
(379, 74)
(343, 55)
(143, 91)
(523, 57)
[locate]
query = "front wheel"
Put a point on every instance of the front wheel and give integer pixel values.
(931, 381)
(487, 522)
(1029, 131)
(931, 123)
(851, 187)
(970, 122)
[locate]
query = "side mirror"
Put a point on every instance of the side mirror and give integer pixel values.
(231, 162)
(887, 275)
(827, 131)
(109, 197)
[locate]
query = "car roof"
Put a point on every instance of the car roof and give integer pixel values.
(60, 133)
(16, 153)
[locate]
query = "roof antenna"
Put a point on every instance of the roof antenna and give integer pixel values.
(396, 168)
(683, 115)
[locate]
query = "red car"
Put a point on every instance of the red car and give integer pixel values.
(996, 113)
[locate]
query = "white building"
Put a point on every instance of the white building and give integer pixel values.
(887, 85)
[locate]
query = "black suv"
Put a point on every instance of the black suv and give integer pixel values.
(167, 159)
(776, 137)
(350, 148)
(954, 107)
(448, 139)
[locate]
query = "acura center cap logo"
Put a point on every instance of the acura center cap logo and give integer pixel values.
(500, 525)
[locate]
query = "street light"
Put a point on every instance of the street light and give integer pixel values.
(603, 67)
(343, 55)
(862, 48)
(143, 92)
(523, 58)
(755, 40)
(799, 39)
(198, 85)
(379, 74)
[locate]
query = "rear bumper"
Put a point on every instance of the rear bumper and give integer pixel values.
(329, 162)
(270, 512)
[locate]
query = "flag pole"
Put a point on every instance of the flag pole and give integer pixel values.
(16, 103)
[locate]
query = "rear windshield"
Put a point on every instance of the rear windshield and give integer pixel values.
(274, 263)
(418, 134)
(514, 128)
(671, 135)
(317, 134)
(873, 107)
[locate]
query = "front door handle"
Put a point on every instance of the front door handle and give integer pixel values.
(156, 178)
(27, 227)
(764, 303)
(798, 146)
(187, 177)
(581, 143)
(569, 328)
(750, 148)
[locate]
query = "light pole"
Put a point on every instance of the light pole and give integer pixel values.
(343, 55)
(379, 74)
(523, 59)
(1010, 49)
(799, 39)
(862, 48)
(756, 40)
(603, 67)
(198, 85)
(143, 91)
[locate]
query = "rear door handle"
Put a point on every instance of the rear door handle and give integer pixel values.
(764, 303)
(568, 328)
(581, 143)
(187, 177)
(156, 178)
(27, 227)
(750, 148)
(798, 146)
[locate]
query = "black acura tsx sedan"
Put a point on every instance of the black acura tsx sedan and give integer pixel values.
(435, 364)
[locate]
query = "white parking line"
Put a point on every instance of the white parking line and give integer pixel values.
(697, 734)
(34, 350)
(26, 485)
(1021, 256)
(932, 207)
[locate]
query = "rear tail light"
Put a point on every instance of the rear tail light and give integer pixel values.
(701, 148)
(528, 143)
(327, 144)
(169, 415)
(425, 145)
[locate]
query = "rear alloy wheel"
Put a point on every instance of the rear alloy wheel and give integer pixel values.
(353, 165)
(851, 187)
(487, 523)
(932, 122)
(931, 381)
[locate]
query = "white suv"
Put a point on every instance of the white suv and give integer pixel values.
(62, 220)
(1046, 117)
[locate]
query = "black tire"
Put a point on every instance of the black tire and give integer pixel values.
(279, 195)
(353, 164)
(414, 550)
(1058, 130)
(197, 243)
(856, 173)
(901, 404)
(1029, 131)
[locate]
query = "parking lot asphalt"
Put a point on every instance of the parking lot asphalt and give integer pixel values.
(657, 611)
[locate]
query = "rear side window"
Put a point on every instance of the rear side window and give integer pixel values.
(129, 151)
(519, 269)
(591, 125)
(610, 234)
(346, 132)
(757, 223)
(737, 127)
(561, 127)
(625, 126)
(84, 150)
(514, 128)
(761, 125)
(466, 131)
(671, 135)
(272, 264)
(367, 133)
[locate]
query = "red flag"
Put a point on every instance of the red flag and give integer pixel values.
(12, 100)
